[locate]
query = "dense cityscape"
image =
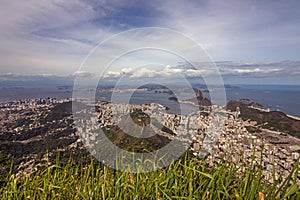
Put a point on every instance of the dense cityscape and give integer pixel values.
(34, 129)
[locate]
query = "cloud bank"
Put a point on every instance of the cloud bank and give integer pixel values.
(54, 37)
(227, 69)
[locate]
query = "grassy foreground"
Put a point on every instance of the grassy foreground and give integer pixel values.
(183, 179)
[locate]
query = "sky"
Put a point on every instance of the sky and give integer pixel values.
(249, 41)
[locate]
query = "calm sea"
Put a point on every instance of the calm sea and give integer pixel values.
(275, 97)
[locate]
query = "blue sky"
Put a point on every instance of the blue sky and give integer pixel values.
(251, 41)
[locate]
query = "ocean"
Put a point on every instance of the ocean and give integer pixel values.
(285, 98)
(276, 97)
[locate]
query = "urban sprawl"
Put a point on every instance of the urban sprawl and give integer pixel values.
(213, 132)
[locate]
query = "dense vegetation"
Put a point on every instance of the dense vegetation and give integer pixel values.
(59, 112)
(135, 144)
(187, 178)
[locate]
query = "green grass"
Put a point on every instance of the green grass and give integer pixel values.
(183, 179)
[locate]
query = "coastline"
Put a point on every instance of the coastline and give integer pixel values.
(8, 94)
(293, 117)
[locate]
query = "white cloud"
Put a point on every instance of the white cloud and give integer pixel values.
(15, 77)
(195, 73)
(247, 70)
(127, 70)
(53, 37)
(157, 72)
(238, 30)
(144, 73)
(256, 70)
(264, 69)
(45, 75)
(287, 72)
(111, 74)
(48, 36)
(82, 74)
(267, 68)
